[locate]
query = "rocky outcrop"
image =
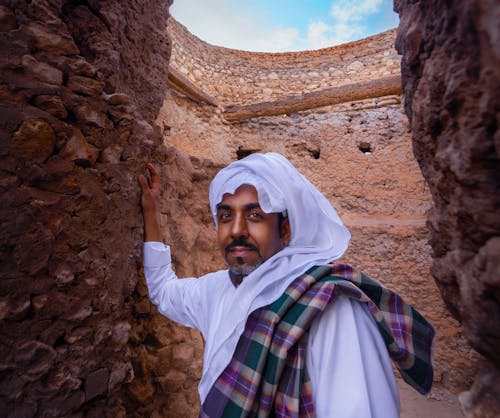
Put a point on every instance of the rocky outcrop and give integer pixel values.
(82, 82)
(451, 82)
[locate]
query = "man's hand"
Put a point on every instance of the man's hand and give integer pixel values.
(151, 189)
(150, 202)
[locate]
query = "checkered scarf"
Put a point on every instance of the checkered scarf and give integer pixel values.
(267, 374)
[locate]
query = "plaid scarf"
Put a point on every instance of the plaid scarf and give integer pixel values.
(267, 376)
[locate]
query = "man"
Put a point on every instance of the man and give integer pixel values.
(322, 355)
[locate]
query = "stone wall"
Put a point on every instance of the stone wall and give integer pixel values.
(235, 77)
(81, 85)
(167, 357)
(451, 79)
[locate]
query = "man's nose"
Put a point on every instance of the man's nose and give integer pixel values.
(239, 227)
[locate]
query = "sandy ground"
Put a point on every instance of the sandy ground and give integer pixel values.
(439, 404)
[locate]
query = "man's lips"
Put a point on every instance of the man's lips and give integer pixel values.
(239, 250)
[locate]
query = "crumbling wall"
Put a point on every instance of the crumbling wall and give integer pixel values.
(451, 79)
(239, 77)
(167, 357)
(82, 85)
(82, 82)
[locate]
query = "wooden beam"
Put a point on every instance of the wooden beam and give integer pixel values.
(326, 97)
(184, 86)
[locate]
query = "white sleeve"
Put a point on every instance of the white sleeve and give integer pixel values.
(349, 366)
(177, 299)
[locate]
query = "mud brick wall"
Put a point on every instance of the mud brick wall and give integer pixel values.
(81, 84)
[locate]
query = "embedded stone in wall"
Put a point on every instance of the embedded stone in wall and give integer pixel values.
(7, 19)
(51, 104)
(33, 141)
(79, 150)
(42, 71)
(85, 85)
(47, 39)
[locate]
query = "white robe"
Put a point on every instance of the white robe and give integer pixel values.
(348, 363)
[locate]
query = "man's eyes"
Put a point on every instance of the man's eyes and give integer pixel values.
(252, 215)
(222, 216)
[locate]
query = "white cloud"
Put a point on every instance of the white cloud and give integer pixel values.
(322, 35)
(347, 16)
(284, 39)
(217, 23)
(237, 24)
(353, 10)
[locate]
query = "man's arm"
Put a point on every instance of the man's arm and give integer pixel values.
(150, 198)
(178, 300)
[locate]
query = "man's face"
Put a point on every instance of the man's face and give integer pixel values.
(248, 236)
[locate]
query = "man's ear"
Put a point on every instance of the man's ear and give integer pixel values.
(285, 231)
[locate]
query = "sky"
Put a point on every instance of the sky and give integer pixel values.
(283, 25)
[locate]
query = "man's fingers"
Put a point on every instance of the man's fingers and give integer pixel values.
(144, 183)
(155, 176)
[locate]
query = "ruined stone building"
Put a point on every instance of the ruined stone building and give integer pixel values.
(90, 91)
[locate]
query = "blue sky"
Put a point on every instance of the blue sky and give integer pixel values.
(284, 25)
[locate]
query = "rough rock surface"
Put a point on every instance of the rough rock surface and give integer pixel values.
(76, 111)
(82, 85)
(168, 357)
(451, 81)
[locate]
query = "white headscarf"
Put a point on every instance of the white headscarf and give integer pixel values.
(318, 236)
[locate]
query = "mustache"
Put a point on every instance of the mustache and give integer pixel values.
(240, 243)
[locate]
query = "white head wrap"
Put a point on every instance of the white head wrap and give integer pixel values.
(318, 236)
